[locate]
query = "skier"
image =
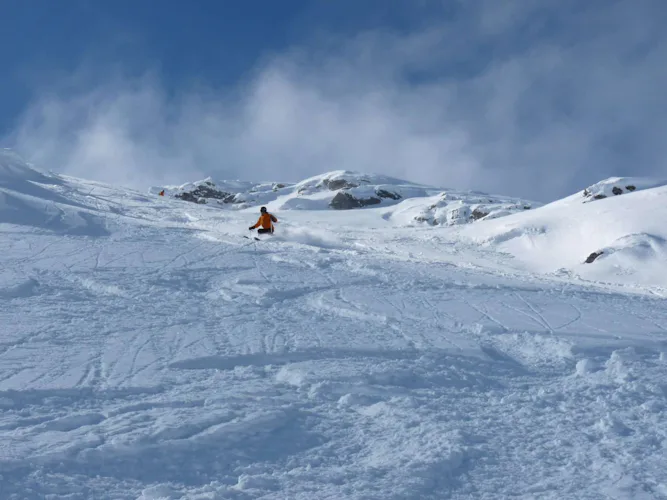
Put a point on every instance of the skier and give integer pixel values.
(265, 220)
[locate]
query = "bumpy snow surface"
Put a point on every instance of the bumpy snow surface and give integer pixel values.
(148, 350)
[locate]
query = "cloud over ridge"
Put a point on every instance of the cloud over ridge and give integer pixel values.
(528, 98)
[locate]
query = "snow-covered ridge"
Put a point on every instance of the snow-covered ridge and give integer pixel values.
(323, 191)
(344, 190)
(615, 186)
(14, 170)
(31, 198)
(610, 188)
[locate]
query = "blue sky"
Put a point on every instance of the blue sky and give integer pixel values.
(537, 98)
(211, 40)
(206, 40)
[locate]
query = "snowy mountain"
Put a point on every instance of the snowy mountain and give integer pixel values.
(345, 190)
(148, 350)
(338, 190)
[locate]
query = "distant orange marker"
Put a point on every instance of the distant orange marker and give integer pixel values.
(162, 193)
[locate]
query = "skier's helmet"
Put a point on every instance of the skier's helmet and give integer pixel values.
(263, 209)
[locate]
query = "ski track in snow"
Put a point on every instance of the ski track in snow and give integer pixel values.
(174, 359)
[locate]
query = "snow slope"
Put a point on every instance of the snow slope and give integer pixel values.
(346, 357)
(34, 199)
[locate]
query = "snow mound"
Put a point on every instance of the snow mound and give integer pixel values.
(452, 208)
(362, 184)
(621, 238)
(631, 255)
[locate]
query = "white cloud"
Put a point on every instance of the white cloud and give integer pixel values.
(530, 98)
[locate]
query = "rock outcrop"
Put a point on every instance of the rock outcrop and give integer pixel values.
(592, 257)
(345, 201)
(614, 186)
(207, 191)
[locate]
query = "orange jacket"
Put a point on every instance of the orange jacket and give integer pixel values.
(266, 220)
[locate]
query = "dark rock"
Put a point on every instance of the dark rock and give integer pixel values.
(617, 190)
(593, 256)
(424, 218)
(478, 214)
(630, 188)
(190, 197)
(345, 201)
(206, 191)
(526, 207)
(369, 201)
(599, 196)
(336, 184)
(382, 193)
(278, 186)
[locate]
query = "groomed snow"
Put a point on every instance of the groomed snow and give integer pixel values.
(156, 353)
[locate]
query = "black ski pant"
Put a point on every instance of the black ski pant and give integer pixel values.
(261, 230)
